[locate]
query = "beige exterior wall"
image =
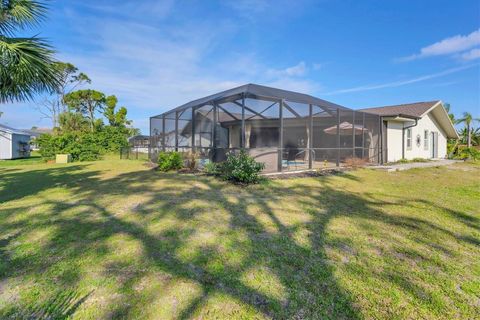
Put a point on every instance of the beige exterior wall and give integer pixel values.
(394, 139)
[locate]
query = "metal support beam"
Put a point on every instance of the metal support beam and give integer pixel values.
(338, 137)
(280, 140)
(295, 113)
(380, 150)
(310, 138)
(353, 133)
(193, 129)
(176, 130)
(163, 133)
(214, 129)
(363, 136)
(252, 111)
(242, 134)
(229, 113)
(261, 112)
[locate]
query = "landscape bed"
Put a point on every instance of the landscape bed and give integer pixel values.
(112, 239)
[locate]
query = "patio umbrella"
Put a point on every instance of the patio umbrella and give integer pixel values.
(345, 129)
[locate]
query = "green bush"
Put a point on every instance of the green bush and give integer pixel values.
(82, 146)
(241, 168)
(212, 169)
(468, 153)
(169, 161)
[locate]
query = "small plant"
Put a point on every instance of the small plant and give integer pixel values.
(168, 161)
(192, 160)
(241, 168)
(420, 160)
(403, 160)
(212, 169)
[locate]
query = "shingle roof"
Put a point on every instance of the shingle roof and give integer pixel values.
(11, 130)
(416, 109)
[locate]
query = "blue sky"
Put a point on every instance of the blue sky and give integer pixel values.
(155, 55)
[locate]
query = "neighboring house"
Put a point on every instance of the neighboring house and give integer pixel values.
(140, 143)
(415, 130)
(34, 134)
(13, 143)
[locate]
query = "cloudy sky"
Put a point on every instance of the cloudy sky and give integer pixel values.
(154, 55)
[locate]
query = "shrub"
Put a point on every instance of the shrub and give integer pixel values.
(169, 161)
(82, 146)
(468, 153)
(212, 169)
(241, 168)
(192, 161)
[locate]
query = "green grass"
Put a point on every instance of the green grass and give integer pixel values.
(112, 239)
(34, 158)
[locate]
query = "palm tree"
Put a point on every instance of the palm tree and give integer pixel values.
(450, 115)
(26, 64)
(468, 120)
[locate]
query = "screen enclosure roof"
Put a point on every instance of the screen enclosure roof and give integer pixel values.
(263, 92)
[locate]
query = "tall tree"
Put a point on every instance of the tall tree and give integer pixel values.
(69, 80)
(86, 102)
(26, 63)
(115, 119)
(468, 120)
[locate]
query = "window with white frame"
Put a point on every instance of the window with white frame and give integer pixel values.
(409, 139)
(425, 139)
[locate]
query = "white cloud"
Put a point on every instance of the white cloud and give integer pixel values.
(448, 46)
(153, 65)
(470, 55)
(403, 82)
(297, 70)
(153, 69)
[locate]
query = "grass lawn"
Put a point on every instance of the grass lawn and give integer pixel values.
(112, 239)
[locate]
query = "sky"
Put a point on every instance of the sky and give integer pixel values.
(155, 55)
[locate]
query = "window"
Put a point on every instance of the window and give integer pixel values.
(409, 139)
(425, 140)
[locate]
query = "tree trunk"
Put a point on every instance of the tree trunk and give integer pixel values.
(90, 110)
(469, 136)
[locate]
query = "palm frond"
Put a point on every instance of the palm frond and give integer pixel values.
(20, 14)
(26, 68)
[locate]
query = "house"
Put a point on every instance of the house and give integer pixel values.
(283, 129)
(13, 143)
(414, 130)
(34, 134)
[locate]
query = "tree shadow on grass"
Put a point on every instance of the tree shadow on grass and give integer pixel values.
(305, 271)
(15, 185)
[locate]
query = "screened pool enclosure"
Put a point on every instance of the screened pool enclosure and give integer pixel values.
(285, 130)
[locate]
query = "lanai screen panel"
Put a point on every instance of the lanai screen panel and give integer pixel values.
(324, 138)
(169, 130)
(229, 125)
(297, 134)
(156, 132)
(184, 131)
(372, 138)
(262, 131)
